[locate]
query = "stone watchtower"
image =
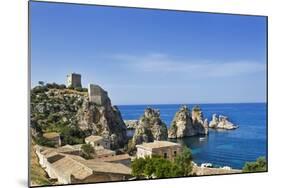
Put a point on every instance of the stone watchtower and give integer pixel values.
(74, 80)
(97, 95)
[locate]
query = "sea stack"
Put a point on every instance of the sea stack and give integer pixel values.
(188, 124)
(221, 122)
(150, 127)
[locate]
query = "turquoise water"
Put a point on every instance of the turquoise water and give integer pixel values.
(223, 148)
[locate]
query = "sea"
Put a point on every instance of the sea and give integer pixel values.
(221, 147)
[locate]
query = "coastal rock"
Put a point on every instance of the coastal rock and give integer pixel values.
(221, 123)
(103, 119)
(214, 122)
(131, 124)
(67, 109)
(188, 124)
(199, 125)
(150, 127)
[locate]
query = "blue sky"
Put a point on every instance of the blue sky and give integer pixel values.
(143, 56)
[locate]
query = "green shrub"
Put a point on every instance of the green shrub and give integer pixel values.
(260, 165)
(158, 167)
(78, 89)
(62, 86)
(87, 151)
(41, 83)
(39, 89)
(72, 135)
(184, 161)
(44, 142)
(138, 166)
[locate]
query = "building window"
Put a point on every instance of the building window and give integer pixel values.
(175, 153)
(165, 155)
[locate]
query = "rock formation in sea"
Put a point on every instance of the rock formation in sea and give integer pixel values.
(200, 125)
(221, 122)
(150, 127)
(186, 123)
(70, 113)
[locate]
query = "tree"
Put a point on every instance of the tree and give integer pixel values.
(158, 167)
(184, 161)
(165, 168)
(260, 165)
(138, 166)
(41, 83)
(87, 151)
(62, 86)
(70, 135)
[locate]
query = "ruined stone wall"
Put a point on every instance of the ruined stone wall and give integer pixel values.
(97, 95)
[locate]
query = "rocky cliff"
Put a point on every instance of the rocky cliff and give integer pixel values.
(186, 123)
(70, 113)
(150, 127)
(221, 122)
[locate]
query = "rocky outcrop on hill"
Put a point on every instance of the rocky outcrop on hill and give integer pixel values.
(221, 122)
(104, 120)
(69, 112)
(150, 127)
(188, 124)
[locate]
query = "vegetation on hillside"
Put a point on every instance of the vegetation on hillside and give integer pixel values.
(53, 109)
(260, 165)
(158, 167)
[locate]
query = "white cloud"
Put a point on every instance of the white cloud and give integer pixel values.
(157, 62)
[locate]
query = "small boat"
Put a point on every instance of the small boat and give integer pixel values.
(202, 139)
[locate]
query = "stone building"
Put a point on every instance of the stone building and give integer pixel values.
(168, 150)
(74, 80)
(97, 141)
(101, 146)
(66, 168)
(97, 95)
(53, 137)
